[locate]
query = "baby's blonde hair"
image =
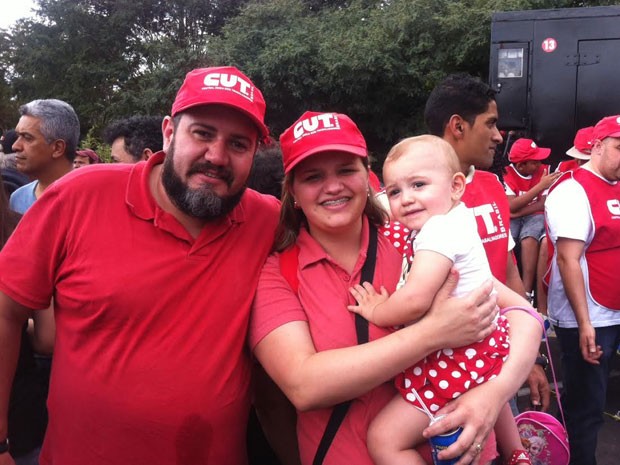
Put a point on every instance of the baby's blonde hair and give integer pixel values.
(410, 145)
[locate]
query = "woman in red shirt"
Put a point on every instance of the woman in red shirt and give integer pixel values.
(305, 338)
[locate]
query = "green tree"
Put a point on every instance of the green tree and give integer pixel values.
(110, 58)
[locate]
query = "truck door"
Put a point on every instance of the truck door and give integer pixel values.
(598, 81)
(510, 79)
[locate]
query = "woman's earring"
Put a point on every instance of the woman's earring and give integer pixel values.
(295, 204)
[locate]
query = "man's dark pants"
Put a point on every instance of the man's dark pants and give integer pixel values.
(585, 390)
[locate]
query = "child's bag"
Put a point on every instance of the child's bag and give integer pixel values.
(544, 437)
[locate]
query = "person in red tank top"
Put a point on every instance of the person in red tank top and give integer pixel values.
(526, 181)
(580, 153)
(462, 110)
(583, 218)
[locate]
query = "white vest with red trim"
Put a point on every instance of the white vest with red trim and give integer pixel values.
(602, 249)
(520, 184)
(485, 195)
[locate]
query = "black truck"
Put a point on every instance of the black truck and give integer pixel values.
(555, 72)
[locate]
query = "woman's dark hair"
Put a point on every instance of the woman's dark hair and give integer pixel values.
(291, 218)
(8, 218)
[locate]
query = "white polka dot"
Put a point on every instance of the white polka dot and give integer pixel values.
(417, 371)
(429, 394)
(432, 373)
(479, 363)
(386, 233)
(462, 366)
(434, 407)
(469, 353)
(443, 384)
(407, 383)
(396, 235)
(467, 384)
(480, 380)
(448, 352)
(396, 227)
(492, 342)
(396, 244)
(456, 374)
(455, 395)
(443, 365)
(410, 397)
(492, 376)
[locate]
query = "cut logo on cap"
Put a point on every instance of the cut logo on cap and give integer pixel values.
(314, 124)
(230, 83)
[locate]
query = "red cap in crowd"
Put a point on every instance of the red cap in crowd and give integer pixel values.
(607, 127)
(526, 149)
(374, 182)
(91, 154)
(224, 85)
(583, 144)
(317, 132)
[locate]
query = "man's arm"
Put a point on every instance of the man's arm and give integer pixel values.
(519, 202)
(569, 252)
(540, 391)
(13, 316)
(513, 280)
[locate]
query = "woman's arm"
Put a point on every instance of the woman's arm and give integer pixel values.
(477, 410)
(312, 379)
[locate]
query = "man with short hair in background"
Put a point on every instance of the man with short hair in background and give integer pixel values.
(133, 139)
(48, 132)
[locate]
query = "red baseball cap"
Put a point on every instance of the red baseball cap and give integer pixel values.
(91, 154)
(316, 132)
(583, 144)
(223, 85)
(526, 149)
(607, 127)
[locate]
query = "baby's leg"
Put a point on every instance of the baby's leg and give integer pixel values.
(508, 439)
(394, 432)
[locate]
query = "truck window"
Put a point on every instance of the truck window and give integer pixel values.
(510, 63)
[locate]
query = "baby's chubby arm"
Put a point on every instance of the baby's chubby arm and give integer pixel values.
(428, 272)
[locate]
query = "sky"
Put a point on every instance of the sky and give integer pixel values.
(12, 10)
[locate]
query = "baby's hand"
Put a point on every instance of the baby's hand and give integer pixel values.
(367, 300)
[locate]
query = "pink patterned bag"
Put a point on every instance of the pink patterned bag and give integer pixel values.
(544, 437)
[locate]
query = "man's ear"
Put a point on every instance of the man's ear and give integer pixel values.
(458, 185)
(58, 148)
(455, 127)
(167, 129)
(146, 154)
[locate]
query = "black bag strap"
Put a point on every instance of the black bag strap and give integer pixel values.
(361, 328)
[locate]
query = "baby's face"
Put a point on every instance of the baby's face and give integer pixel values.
(418, 186)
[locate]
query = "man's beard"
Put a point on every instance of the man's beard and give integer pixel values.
(200, 203)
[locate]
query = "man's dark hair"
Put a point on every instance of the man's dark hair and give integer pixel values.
(138, 132)
(458, 94)
(8, 139)
(267, 171)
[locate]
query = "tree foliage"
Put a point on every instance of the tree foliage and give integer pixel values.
(110, 58)
(375, 60)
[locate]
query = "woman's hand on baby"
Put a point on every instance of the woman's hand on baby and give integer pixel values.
(367, 299)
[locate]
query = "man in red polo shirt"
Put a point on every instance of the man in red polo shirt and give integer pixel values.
(150, 364)
(462, 110)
